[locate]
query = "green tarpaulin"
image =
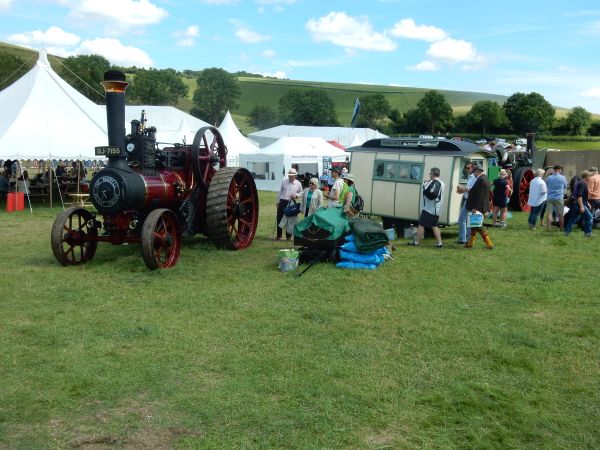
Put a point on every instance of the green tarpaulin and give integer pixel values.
(331, 220)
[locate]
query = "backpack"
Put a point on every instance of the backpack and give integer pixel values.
(358, 203)
(433, 190)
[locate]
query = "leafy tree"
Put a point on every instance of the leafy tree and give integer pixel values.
(578, 121)
(594, 129)
(434, 111)
(262, 117)
(157, 87)
(11, 69)
(373, 109)
(84, 73)
(485, 114)
(528, 112)
(217, 93)
(307, 107)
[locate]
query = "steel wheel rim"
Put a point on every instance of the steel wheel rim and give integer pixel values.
(166, 242)
(242, 214)
(76, 244)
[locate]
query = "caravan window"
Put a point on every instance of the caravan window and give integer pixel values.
(398, 171)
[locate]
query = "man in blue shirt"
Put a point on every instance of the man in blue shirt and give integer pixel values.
(557, 187)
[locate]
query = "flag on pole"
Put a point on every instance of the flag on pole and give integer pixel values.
(355, 113)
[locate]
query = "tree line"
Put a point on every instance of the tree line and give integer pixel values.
(218, 91)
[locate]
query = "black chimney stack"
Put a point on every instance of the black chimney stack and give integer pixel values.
(114, 85)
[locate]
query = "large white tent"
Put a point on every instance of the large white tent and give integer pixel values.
(235, 141)
(43, 117)
(270, 165)
(342, 135)
(172, 125)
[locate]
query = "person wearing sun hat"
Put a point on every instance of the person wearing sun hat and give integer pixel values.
(290, 189)
(479, 201)
(500, 199)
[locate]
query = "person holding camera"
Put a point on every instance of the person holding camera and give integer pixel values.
(433, 191)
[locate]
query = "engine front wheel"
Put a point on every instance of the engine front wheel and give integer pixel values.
(73, 237)
(161, 239)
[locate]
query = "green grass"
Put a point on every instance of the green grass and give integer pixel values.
(437, 349)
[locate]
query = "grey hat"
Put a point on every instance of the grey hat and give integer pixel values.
(477, 167)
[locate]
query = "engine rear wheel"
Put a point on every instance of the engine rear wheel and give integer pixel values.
(161, 239)
(232, 208)
(73, 235)
(522, 177)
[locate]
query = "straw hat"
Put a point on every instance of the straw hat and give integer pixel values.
(292, 172)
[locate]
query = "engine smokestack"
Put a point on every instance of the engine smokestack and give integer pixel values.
(114, 86)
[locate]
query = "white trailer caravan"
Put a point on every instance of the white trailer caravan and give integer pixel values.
(389, 173)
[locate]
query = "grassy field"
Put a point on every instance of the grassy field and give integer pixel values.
(444, 349)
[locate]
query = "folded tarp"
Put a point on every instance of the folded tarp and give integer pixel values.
(368, 235)
(329, 220)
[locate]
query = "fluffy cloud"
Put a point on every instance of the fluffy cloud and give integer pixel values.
(275, 2)
(124, 12)
(53, 36)
(407, 28)
(345, 31)
(425, 66)
(249, 36)
(269, 54)
(187, 38)
(593, 93)
(115, 52)
(453, 51)
(220, 2)
(5, 4)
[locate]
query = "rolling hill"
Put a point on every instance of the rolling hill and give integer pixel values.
(267, 92)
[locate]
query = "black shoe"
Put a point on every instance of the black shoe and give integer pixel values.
(413, 243)
(461, 242)
(438, 246)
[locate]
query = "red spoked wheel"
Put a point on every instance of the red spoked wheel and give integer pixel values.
(232, 208)
(73, 237)
(161, 239)
(208, 150)
(522, 177)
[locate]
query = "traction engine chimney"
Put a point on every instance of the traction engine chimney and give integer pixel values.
(114, 85)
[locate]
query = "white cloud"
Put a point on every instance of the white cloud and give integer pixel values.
(275, 2)
(124, 12)
(425, 66)
(269, 54)
(115, 52)
(249, 36)
(5, 4)
(452, 51)
(220, 2)
(407, 28)
(187, 37)
(593, 93)
(277, 74)
(345, 31)
(53, 36)
(567, 69)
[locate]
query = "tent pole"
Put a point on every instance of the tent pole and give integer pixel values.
(50, 183)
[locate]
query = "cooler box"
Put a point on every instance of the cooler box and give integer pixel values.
(15, 201)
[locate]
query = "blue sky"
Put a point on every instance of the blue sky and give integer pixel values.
(549, 46)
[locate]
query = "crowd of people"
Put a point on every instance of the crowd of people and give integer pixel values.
(342, 194)
(548, 194)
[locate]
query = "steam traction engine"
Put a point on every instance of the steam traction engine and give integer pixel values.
(155, 197)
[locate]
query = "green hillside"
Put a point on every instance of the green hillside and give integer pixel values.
(268, 91)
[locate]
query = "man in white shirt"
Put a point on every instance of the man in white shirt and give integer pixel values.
(290, 189)
(537, 197)
(432, 193)
(463, 230)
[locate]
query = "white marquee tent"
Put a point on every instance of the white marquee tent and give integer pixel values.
(342, 135)
(42, 116)
(172, 125)
(235, 142)
(270, 165)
